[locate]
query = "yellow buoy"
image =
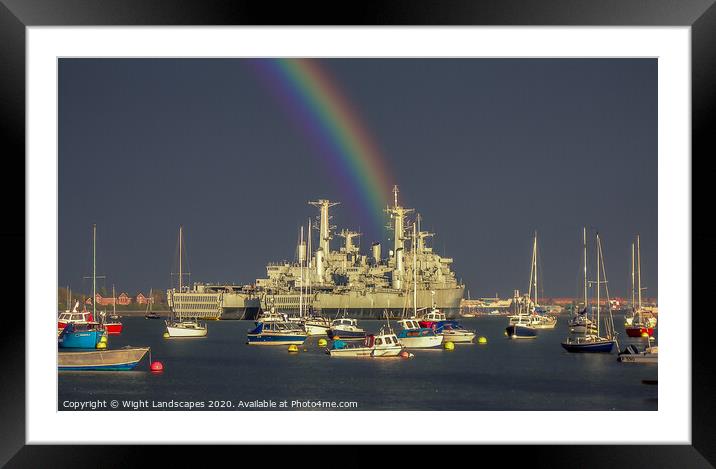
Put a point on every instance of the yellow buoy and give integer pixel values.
(103, 339)
(645, 334)
(482, 340)
(165, 335)
(449, 345)
(101, 345)
(322, 342)
(505, 333)
(293, 348)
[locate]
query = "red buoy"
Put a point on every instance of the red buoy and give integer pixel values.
(156, 366)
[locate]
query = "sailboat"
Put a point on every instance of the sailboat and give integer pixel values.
(538, 320)
(520, 324)
(84, 332)
(112, 325)
(591, 342)
(640, 322)
(150, 314)
(178, 326)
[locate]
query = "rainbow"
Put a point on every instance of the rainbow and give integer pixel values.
(334, 127)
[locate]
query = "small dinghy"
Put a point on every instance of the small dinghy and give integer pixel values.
(101, 360)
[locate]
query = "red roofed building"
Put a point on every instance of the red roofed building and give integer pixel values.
(123, 299)
(143, 300)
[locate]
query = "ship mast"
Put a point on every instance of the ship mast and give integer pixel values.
(301, 257)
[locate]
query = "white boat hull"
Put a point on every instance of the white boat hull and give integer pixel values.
(422, 342)
(458, 337)
(644, 358)
(316, 330)
(392, 351)
(186, 332)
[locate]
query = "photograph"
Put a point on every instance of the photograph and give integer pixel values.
(357, 234)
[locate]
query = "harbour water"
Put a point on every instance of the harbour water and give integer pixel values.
(500, 375)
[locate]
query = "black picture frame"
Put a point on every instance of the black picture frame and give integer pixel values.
(700, 15)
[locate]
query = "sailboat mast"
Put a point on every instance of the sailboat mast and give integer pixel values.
(415, 275)
(114, 301)
(632, 276)
(180, 255)
(599, 245)
(94, 270)
(301, 257)
(534, 261)
(584, 237)
(638, 257)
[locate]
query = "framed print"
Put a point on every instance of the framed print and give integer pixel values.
(411, 224)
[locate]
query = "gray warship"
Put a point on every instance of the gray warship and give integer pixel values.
(333, 283)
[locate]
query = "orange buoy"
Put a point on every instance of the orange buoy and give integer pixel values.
(404, 354)
(156, 367)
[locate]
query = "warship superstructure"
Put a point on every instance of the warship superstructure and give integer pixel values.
(343, 281)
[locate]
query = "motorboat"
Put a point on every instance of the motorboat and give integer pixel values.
(346, 329)
(74, 316)
(317, 325)
(276, 333)
(431, 319)
(632, 354)
(414, 336)
(80, 335)
(383, 344)
(453, 331)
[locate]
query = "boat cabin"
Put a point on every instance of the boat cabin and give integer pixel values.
(409, 324)
(345, 322)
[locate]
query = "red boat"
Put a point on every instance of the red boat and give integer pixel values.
(74, 316)
(113, 328)
(639, 331)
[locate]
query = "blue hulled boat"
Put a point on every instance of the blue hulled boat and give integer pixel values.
(276, 333)
(346, 329)
(588, 344)
(82, 336)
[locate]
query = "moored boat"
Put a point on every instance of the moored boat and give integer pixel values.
(317, 325)
(593, 342)
(276, 333)
(101, 360)
(631, 354)
(82, 336)
(453, 331)
(74, 316)
(178, 326)
(346, 329)
(641, 322)
(414, 336)
(383, 344)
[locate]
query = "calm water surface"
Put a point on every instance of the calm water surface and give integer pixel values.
(500, 375)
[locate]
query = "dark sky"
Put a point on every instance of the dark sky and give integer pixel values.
(487, 150)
